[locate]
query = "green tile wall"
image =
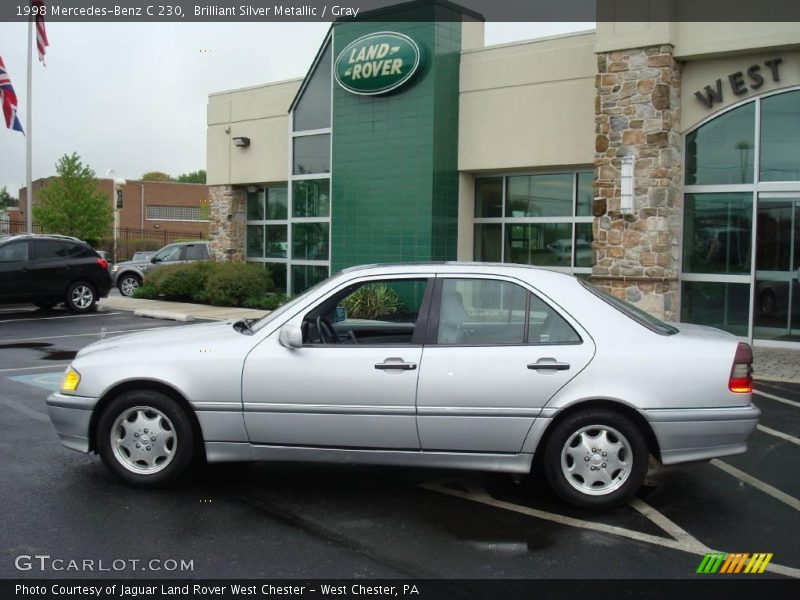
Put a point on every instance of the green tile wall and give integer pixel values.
(394, 171)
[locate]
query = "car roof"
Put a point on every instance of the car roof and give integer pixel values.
(42, 236)
(482, 268)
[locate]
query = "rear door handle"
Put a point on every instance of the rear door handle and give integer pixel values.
(548, 364)
(396, 364)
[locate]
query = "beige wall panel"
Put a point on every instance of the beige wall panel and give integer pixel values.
(700, 73)
(621, 35)
(269, 101)
(526, 127)
(697, 39)
(218, 148)
(267, 158)
(466, 214)
(219, 111)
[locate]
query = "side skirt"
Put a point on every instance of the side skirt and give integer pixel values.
(235, 451)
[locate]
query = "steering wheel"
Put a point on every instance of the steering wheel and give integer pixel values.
(325, 329)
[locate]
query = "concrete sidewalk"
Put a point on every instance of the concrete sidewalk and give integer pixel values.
(769, 364)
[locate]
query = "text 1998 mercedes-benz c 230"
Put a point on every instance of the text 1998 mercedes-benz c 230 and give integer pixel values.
(484, 367)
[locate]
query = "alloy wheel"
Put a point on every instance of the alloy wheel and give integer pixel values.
(596, 460)
(143, 440)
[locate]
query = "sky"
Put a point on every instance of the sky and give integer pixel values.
(132, 97)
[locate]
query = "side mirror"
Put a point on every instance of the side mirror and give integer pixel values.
(291, 336)
(155, 259)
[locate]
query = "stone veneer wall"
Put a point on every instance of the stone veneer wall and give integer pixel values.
(637, 113)
(228, 222)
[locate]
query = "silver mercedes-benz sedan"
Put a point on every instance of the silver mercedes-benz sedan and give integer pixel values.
(470, 366)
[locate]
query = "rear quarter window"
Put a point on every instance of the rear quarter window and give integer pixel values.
(637, 314)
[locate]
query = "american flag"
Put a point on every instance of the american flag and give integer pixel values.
(41, 34)
(8, 100)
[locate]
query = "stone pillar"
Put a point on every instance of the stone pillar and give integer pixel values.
(227, 213)
(637, 113)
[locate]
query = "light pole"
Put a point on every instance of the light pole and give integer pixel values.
(116, 205)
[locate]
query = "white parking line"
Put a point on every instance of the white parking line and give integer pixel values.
(62, 317)
(54, 367)
(683, 541)
(56, 337)
(758, 484)
(778, 398)
(780, 434)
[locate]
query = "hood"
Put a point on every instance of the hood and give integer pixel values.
(167, 338)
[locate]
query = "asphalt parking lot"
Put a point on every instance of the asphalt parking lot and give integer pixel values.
(326, 521)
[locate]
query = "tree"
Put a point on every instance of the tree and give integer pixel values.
(156, 176)
(7, 199)
(192, 177)
(71, 203)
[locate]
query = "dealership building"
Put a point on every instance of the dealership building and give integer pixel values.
(659, 160)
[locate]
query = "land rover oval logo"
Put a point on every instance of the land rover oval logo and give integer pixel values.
(377, 63)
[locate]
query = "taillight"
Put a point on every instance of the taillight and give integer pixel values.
(102, 262)
(741, 380)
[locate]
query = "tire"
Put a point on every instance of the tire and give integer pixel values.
(149, 419)
(81, 297)
(128, 284)
(578, 471)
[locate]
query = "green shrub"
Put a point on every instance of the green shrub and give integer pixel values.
(180, 282)
(372, 301)
(268, 302)
(230, 284)
(147, 292)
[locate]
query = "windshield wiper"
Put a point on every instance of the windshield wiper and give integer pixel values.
(243, 324)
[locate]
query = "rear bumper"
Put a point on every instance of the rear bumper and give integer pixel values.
(104, 285)
(686, 435)
(71, 416)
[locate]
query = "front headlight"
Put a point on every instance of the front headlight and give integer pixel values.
(71, 380)
(115, 268)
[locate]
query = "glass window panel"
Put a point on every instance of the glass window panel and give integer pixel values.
(311, 198)
(313, 110)
(277, 203)
(721, 305)
(716, 233)
(255, 206)
(255, 241)
(488, 197)
(585, 194)
(780, 137)
(16, 252)
(488, 242)
(481, 311)
(543, 244)
(277, 272)
(276, 241)
(584, 255)
(546, 326)
(305, 276)
(310, 241)
(540, 196)
(312, 154)
(721, 151)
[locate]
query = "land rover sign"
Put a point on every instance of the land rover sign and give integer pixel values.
(377, 63)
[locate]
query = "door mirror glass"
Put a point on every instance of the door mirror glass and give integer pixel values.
(291, 336)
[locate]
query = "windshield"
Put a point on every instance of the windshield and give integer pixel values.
(637, 314)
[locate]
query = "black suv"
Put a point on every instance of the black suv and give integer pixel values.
(48, 269)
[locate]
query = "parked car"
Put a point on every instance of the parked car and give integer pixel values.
(470, 366)
(562, 249)
(49, 269)
(107, 257)
(128, 276)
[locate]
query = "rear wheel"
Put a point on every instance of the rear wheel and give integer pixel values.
(596, 458)
(81, 297)
(128, 284)
(145, 438)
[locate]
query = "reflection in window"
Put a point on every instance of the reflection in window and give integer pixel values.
(276, 203)
(542, 244)
(585, 194)
(275, 241)
(721, 305)
(721, 151)
(717, 233)
(313, 110)
(540, 195)
(310, 241)
(584, 255)
(488, 242)
(255, 241)
(481, 311)
(305, 276)
(312, 154)
(311, 198)
(489, 197)
(255, 205)
(780, 137)
(277, 272)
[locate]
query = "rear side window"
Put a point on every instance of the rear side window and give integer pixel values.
(196, 252)
(14, 252)
(637, 314)
(59, 250)
(491, 312)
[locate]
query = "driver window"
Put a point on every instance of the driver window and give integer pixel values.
(170, 254)
(382, 312)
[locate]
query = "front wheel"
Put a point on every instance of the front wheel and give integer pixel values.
(81, 297)
(128, 284)
(596, 458)
(145, 438)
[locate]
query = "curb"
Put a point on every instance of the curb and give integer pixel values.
(162, 314)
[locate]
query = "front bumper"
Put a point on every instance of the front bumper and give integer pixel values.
(692, 434)
(71, 416)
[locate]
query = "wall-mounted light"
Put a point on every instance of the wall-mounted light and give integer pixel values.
(626, 186)
(241, 142)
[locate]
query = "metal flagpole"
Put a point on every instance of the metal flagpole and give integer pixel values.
(29, 132)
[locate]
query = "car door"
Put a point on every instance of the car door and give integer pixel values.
(495, 353)
(168, 255)
(353, 382)
(52, 268)
(14, 271)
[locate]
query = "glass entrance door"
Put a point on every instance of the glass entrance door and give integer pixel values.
(776, 299)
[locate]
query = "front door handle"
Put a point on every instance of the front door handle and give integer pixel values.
(396, 364)
(549, 364)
